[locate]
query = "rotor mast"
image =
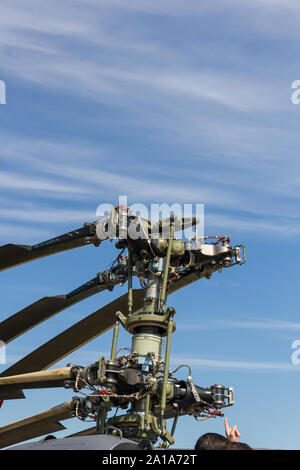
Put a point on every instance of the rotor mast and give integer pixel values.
(148, 329)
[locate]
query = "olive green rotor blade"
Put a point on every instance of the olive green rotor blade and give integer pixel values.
(75, 336)
(35, 426)
(31, 316)
(43, 309)
(12, 255)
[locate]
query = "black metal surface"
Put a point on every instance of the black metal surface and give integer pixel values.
(12, 394)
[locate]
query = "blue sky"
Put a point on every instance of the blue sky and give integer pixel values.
(163, 102)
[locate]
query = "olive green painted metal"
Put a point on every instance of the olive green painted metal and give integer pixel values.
(166, 269)
(171, 312)
(114, 344)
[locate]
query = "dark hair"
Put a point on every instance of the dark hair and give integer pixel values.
(213, 441)
(244, 446)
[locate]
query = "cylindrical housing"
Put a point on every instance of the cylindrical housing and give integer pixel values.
(152, 293)
(145, 343)
(153, 286)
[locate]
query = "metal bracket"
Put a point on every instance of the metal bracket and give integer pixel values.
(240, 260)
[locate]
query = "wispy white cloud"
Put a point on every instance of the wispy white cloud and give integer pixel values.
(47, 215)
(10, 232)
(83, 179)
(69, 71)
(156, 83)
(242, 365)
(18, 181)
(164, 7)
(140, 188)
(193, 8)
(90, 355)
(180, 94)
(285, 4)
(57, 177)
(276, 228)
(268, 324)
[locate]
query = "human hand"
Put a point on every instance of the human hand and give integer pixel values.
(231, 433)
